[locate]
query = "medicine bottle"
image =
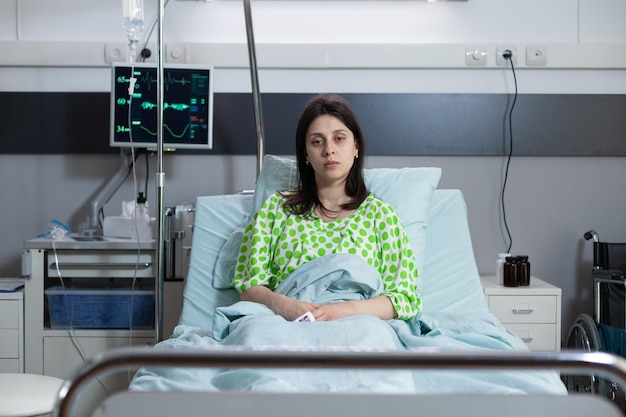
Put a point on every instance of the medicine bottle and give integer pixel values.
(523, 270)
(510, 272)
(500, 267)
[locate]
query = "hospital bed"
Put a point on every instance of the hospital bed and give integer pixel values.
(259, 363)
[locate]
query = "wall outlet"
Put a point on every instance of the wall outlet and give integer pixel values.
(501, 61)
(116, 52)
(536, 55)
(175, 53)
(476, 56)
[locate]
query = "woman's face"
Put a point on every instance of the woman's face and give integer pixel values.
(330, 149)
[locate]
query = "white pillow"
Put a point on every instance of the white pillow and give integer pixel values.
(408, 190)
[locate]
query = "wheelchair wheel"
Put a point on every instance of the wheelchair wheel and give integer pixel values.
(584, 336)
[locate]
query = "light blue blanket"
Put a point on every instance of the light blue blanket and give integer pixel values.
(334, 279)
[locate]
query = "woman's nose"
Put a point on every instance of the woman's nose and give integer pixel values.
(329, 149)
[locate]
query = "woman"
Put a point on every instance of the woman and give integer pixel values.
(331, 202)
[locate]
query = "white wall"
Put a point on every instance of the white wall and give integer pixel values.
(344, 46)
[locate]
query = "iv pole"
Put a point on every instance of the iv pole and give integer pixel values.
(256, 96)
(160, 180)
(160, 175)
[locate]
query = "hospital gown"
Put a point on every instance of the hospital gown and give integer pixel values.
(277, 242)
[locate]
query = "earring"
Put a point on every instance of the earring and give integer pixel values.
(356, 156)
(307, 162)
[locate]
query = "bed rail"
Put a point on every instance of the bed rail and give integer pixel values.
(123, 359)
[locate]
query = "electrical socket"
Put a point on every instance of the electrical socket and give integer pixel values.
(501, 61)
(176, 53)
(152, 47)
(476, 56)
(115, 52)
(536, 55)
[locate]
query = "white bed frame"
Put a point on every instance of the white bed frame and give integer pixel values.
(262, 404)
(342, 405)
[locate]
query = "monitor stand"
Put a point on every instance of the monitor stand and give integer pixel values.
(103, 197)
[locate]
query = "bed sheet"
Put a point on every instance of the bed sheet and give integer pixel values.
(342, 277)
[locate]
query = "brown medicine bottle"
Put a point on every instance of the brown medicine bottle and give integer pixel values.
(510, 272)
(523, 270)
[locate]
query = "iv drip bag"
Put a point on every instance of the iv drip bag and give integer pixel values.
(132, 12)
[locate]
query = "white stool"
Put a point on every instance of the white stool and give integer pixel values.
(27, 394)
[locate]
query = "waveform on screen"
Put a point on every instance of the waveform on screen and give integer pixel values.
(166, 127)
(146, 105)
(148, 79)
(125, 129)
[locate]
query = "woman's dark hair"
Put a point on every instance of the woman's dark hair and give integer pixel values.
(305, 196)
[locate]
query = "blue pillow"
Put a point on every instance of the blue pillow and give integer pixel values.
(408, 190)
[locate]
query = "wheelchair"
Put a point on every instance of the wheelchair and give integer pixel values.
(606, 331)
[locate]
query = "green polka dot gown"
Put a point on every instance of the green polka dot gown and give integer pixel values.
(276, 242)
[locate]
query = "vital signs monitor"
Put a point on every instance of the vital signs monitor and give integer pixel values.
(187, 107)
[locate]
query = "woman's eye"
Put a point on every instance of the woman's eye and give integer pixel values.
(340, 138)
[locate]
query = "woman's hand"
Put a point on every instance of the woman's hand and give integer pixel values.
(380, 307)
(291, 309)
(282, 305)
(334, 311)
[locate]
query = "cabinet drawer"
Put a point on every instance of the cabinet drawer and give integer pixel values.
(538, 337)
(9, 366)
(8, 314)
(101, 264)
(9, 343)
(61, 354)
(524, 309)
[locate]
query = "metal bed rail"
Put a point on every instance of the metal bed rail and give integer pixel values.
(123, 359)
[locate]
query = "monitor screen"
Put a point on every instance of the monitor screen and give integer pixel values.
(187, 108)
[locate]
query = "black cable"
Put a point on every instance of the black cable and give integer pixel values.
(508, 55)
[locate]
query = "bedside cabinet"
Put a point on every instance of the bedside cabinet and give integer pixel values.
(12, 332)
(532, 312)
